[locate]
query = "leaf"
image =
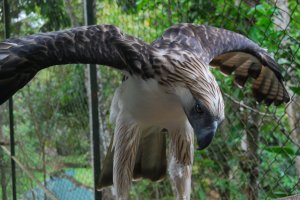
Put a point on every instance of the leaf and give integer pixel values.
(255, 34)
(261, 9)
(282, 61)
(298, 73)
(295, 89)
(263, 22)
(279, 194)
(251, 11)
(283, 150)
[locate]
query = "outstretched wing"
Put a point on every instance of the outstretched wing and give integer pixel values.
(232, 53)
(21, 59)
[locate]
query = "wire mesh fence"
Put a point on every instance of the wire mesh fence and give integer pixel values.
(255, 155)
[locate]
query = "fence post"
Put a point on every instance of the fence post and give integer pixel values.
(6, 15)
(90, 18)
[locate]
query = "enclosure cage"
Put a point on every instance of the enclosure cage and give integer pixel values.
(255, 154)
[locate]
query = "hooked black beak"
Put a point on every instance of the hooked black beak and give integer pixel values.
(205, 135)
(204, 123)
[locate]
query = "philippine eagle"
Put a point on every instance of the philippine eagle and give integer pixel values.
(169, 88)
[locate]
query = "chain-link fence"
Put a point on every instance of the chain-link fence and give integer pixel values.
(255, 154)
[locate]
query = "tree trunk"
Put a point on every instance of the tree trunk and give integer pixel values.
(105, 135)
(293, 111)
(282, 20)
(249, 144)
(252, 141)
(71, 13)
(169, 11)
(44, 167)
(251, 3)
(2, 161)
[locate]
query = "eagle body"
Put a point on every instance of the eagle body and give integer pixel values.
(169, 89)
(149, 105)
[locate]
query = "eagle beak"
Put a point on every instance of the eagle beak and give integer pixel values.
(205, 135)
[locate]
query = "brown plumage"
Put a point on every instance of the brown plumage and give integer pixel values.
(169, 87)
(152, 147)
(266, 86)
(21, 59)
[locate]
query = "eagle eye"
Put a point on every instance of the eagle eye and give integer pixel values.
(198, 108)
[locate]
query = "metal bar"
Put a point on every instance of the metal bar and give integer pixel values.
(6, 15)
(90, 12)
(94, 125)
(90, 18)
(12, 148)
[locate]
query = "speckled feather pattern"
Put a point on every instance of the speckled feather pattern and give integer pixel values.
(22, 58)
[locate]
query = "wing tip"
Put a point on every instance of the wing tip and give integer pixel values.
(277, 100)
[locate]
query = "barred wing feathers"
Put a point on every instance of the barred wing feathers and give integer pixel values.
(21, 59)
(232, 53)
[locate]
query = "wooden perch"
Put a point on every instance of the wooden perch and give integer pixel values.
(5, 143)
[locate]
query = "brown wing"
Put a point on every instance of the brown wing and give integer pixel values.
(233, 53)
(21, 59)
(266, 86)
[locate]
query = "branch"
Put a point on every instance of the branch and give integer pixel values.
(5, 143)
(29, 174)
(246, 106)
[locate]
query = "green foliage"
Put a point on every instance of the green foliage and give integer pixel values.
(52, 11)
(296, 89)
(284, 151)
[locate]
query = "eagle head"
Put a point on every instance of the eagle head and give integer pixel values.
(202, 102)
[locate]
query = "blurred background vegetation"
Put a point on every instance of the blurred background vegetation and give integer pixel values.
(256, 153)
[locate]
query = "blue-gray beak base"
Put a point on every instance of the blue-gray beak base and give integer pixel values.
(205, 135)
